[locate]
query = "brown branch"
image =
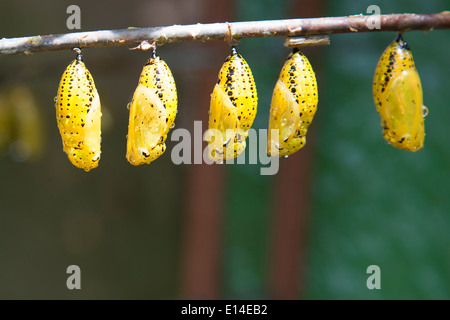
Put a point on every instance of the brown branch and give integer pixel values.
(218, 31)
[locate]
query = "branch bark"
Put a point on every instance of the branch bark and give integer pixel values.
(218, 31)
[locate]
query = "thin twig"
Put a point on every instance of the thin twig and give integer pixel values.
(218, 31)
(307, 41)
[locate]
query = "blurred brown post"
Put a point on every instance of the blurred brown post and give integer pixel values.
(202, 246)
(292, 204)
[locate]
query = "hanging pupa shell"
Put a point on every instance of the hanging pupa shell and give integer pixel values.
(152, 112)
(293, 106)
(78, 114)
(398, 97)
(232, 110)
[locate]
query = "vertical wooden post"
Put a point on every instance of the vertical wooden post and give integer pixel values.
(292, 204)
(202, 246)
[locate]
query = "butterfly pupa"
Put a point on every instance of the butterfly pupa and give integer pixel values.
(78, 114)
(232, 109)
(152, 112)
(6, 123)
(294, 103)
(398, 97)
(29, 141)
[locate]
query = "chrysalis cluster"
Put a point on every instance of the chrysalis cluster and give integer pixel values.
(78, 115)
(397, 93)
(152, 112)
(294, 103)
(232, 110)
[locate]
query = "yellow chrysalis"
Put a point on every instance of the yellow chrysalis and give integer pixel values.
(28, 128)
(152, 112)
(397, 93)
(6, 123)
(78, 114)
(232, 110)
(294, 103)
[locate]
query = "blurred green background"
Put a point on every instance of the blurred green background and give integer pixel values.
(124, 226)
